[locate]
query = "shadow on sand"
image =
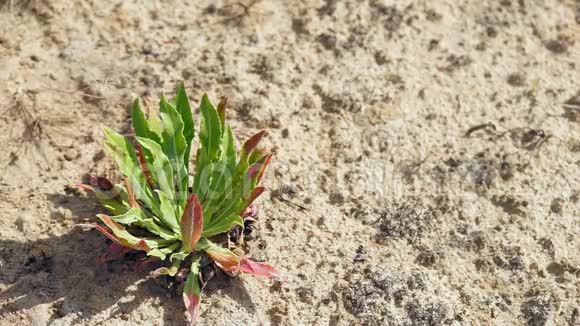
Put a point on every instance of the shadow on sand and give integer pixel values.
(65, 271)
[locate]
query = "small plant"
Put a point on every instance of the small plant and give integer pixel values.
(163, 212)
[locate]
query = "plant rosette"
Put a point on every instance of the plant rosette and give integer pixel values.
(168, 215)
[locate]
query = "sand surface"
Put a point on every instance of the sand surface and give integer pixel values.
(426, 167)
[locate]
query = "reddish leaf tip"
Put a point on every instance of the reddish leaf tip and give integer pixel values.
(221, 108)
(264, 166)
(252, 143)
(192, 304)
(224, 260)
(144, 168)
(252, 267)
(130, 195)
(191, 224)
(256, 192)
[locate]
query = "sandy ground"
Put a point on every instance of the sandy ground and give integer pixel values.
(426, 167)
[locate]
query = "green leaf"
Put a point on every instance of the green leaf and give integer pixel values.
(229, 148)
(210, 133)
(111, 199)
(223, 225)
(155, 124)
(225, 166)
(233, 187)
(124, 155)
(183, 107)
(222, 175)
(221, 109)
(168, 214)
(203, 174)
(221, 179)
(140, 123)
(162, 253)
(232, 200)
(174, 146)
(114, 207)
(121, 240)
(179, 256)
(232, 207)
(161, 168)
(157, 229)
(127, 239)
(157, 253)
(171, 271)
(131, 216)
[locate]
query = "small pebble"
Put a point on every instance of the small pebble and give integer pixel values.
(556, 46)
(285, 133)
(516, 80)
(71, 154)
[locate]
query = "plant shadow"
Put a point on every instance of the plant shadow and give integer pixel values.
(65, 271)
(232, 287)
